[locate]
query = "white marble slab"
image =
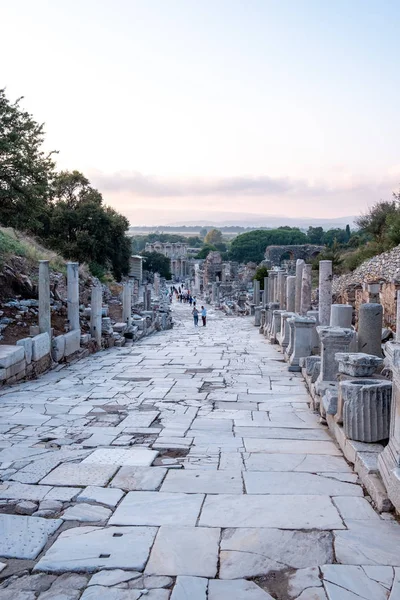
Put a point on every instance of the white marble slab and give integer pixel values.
(308, 463)
(239, 589)
(203, 482)
(25, 537)
(134, 457)
(257, 482)
(190, 588)
(80, 474)
(284, 512)
(291, 447)
(369, 542)
(158, 508)
(185, 551)
(93, 548)
(107, 496)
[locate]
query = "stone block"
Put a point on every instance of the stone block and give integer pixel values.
(34, 330)
(40, 346)
(72, 341)
(85, 338)
(366, 409)
(10, 355)
(330, 401)
(120, 327)
(58, 348)
(27, 344)
(15, 369)
(357, 364)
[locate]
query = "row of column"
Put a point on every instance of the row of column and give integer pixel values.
(72, 301)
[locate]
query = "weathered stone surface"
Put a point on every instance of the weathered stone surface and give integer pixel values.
(284, 512)
(72, 342)
(10, 355)
(109, 497)
(366, 409)
(352, 579)
(153, 508)
(185, 551)
(81, 474)
(190, 588)
(86, 513)
(240, 589)
(370, 317)
(139, 478)
(203, 482)
(114, 577)
(256, 551)
(27, 344)
(368, 542)
(140, 457)
(358, 364)
(92, 548)
(40, 346)
(297, 484)
(23, 536)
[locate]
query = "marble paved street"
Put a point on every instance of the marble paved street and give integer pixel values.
(185, 466)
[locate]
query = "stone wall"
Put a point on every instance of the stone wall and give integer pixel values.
(275, 254)
(352, 288)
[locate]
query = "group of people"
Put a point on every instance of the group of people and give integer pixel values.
(185, 296)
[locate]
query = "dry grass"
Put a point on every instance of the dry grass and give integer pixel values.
(13, 242)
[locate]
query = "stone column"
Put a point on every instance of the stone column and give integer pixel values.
(398, 317)
(275, 326)
(271, 277)
(96, 305)
(306, 290)
(266, 296)
(73, 295)
(291, 293)
(373, 292)
(333, 340)
(148, 300)
(290, 346)
(299, 275)
(282, 289)
(315, 337)
(257, 316)
(389, 459)
(325, 292)
(341, 315)
(271, 308)
(213, 292)
(256, 292)
(217, 295)
(303, 328)
(283, 337)
(44, 298)
(127, 304)
(370, 317)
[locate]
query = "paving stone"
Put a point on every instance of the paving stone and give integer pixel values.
(139, 478)
(86, 513)
(40, 582)
(21, 491)
(297, 484)
(114, 577)
(355, 509)
(284, 512)
(282, 433)
(107, 496)
(368, 543)
(239, 589)
(13, 595)
(26, 507)
(23, 536)
(251, 552)
(311, 463)
(134, 457)
(303, 579)
(190, 588)
(207, 482)
(80, 474)
(291, 447)
(158, 508)
(93, 548)
(353, 579)
(2, 566)
(185, 551)
(383, 575)
(313, 594)
(98, 592)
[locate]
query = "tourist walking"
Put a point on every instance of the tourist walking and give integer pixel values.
(195, 314)
(203, 316)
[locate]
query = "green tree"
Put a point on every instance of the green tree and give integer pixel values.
(26, 170)
(251, 246)
(203, 232)
(261, 272)
(155, 262)
(315, 235)
(214, 236)
(376, 220)
(81, 228)
(205, 251)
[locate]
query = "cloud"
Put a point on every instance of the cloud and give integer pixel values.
(148, 186)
